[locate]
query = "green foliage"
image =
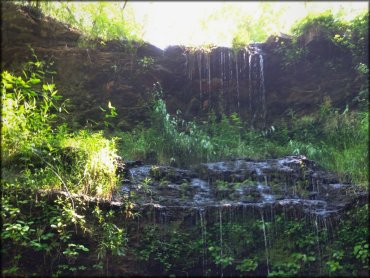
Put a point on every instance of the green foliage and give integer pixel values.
(111, 238)
(54, 236)
(53, 232)
(296, 246)
(82, 162)
(97, 20)
(165, 249)
(256, 24)
(361, 251)
(29, 106)
(170, 139)
(109, 113)
(349, 255)
(334, 264)
(252, 28)
(336, 140)
(218, 258)
(350, 37)
(94, 159)
(324, 22)
(39, 154)
(146, 62)
(247, 265)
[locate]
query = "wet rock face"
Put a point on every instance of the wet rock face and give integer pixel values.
(279, 184)
(195, 82)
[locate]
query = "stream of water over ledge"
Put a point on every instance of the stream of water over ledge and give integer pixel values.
(231, 217)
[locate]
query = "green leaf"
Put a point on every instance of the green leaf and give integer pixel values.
(34, 81)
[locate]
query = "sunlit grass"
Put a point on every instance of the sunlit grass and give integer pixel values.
(94, 158)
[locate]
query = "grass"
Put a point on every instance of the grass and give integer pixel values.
(337, 141)
(94, 163)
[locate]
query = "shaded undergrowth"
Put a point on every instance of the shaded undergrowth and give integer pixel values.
(336, 140)
(43, 232)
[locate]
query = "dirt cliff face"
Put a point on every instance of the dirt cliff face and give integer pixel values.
(88, 73)
(91, 73)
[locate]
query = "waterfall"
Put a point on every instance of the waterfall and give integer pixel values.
(222, 74)
(318, 243)
(265, 239)
(244, 60)
(257, 101)
(199, 58)
(237, 83)
(204, 240)
(262, 89)
(221, 251)
(190, 65)
(250, 83)
(230, 66)
(208, 67)
(233, 69)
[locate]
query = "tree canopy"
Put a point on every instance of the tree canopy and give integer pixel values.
(191, 23)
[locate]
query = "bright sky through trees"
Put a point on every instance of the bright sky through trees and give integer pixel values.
(199, 23)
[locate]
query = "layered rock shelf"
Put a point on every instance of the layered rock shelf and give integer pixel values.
(289, 184)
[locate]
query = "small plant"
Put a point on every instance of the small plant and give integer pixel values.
(109, 114)
(247, 265)
(146, 62)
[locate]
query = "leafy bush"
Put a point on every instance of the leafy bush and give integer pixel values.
(27, 112)
(82, 162)
(41, 235)
(99, 20)
(350, 36)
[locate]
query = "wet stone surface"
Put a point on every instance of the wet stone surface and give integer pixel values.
(291, 182)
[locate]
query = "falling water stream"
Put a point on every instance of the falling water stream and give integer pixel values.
(237, 83)
(234, 70)
(222, 59)
(208, 67)
(204, 240)
(250, 83)
(257, 101)
(199, 59)
(221, 245)
(318, 243)
(265, 240)
(231, 69)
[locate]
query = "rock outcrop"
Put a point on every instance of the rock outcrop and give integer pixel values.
(91, 73)
(288, 183)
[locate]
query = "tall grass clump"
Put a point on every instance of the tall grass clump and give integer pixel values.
(338, 141)
(94, 163)
(346, 140)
